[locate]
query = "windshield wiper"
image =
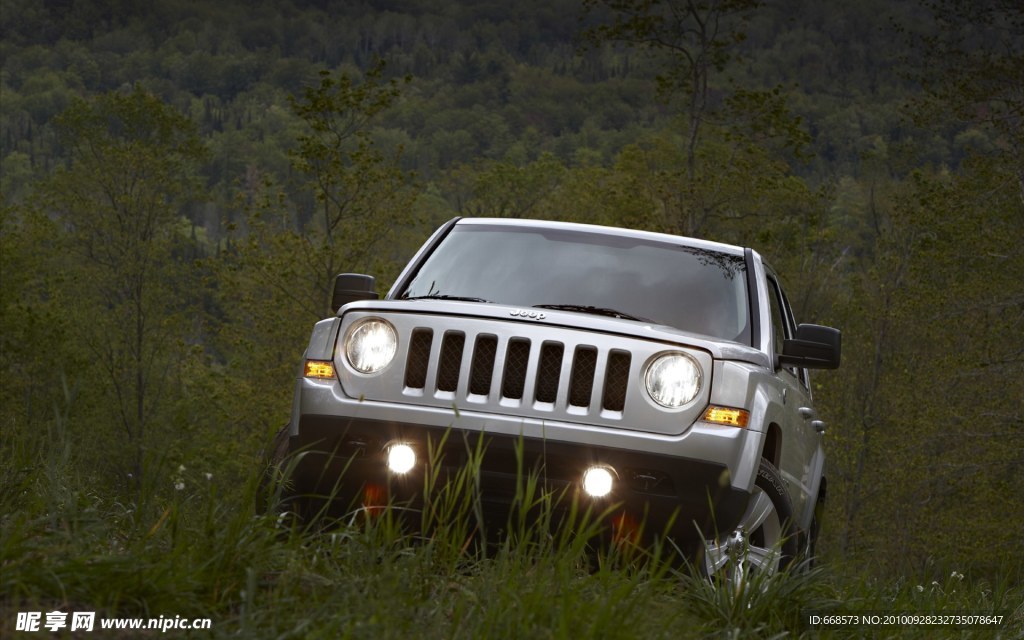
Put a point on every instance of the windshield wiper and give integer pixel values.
(444, 296)
(584, 308)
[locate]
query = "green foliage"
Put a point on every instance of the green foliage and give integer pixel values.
(933, 313)
(124, 287)
(164, 250)
(360, 191)
(504, 189)
(29, 319)
(698, 38)
(194, 549)
(726, 140)
(276, 277)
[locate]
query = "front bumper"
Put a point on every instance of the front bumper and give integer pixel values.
(344, 458)
(736, 450)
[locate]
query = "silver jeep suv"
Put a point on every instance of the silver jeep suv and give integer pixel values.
(660, 374)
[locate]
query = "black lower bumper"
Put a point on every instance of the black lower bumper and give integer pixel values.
(345, 459)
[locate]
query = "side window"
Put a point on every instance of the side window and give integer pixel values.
(783, 325)
(779, 326)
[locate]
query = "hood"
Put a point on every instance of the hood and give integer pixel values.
(719, 349)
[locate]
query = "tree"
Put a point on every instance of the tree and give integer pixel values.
(279, 278)
(125, 281)
(694, 40)
(361, 192)
(503, 189)
(934, 311)
(975, 71)
(695, 34)
(931, 311)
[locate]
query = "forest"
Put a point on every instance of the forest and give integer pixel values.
(181, 181)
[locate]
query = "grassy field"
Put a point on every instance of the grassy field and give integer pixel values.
(192, 547)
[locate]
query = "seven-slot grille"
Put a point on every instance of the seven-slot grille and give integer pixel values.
(495, 373)
(503, 369)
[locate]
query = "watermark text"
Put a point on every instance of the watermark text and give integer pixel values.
(53, 621)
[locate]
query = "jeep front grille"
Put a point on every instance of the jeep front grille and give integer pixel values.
(522, 360)
(498, 372)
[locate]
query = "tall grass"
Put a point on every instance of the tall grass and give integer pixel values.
(193, 546)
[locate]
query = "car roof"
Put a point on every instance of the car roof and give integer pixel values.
(649, 236)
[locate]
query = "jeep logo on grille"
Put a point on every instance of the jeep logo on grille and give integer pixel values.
(522, 313)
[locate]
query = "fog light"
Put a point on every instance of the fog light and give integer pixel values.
(597, 481)
(401, 458)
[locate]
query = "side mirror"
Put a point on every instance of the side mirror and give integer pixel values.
(814, 347)
(349, 287)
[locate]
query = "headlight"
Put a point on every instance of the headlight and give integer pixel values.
(673, 380)
(370, 345)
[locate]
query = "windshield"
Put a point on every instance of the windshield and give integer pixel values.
(692, 289)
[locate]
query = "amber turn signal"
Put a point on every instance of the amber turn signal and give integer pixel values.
(727, 416)
(322, 369)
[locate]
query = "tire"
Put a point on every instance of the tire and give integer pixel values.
(762, 542)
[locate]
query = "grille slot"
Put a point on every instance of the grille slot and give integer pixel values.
(419, 358)
(549, 370)
(516, 360)
(581, 380)
(616, 380)
(482, 370)
(451, 360)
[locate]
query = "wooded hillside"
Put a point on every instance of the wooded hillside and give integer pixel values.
(181, 180)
